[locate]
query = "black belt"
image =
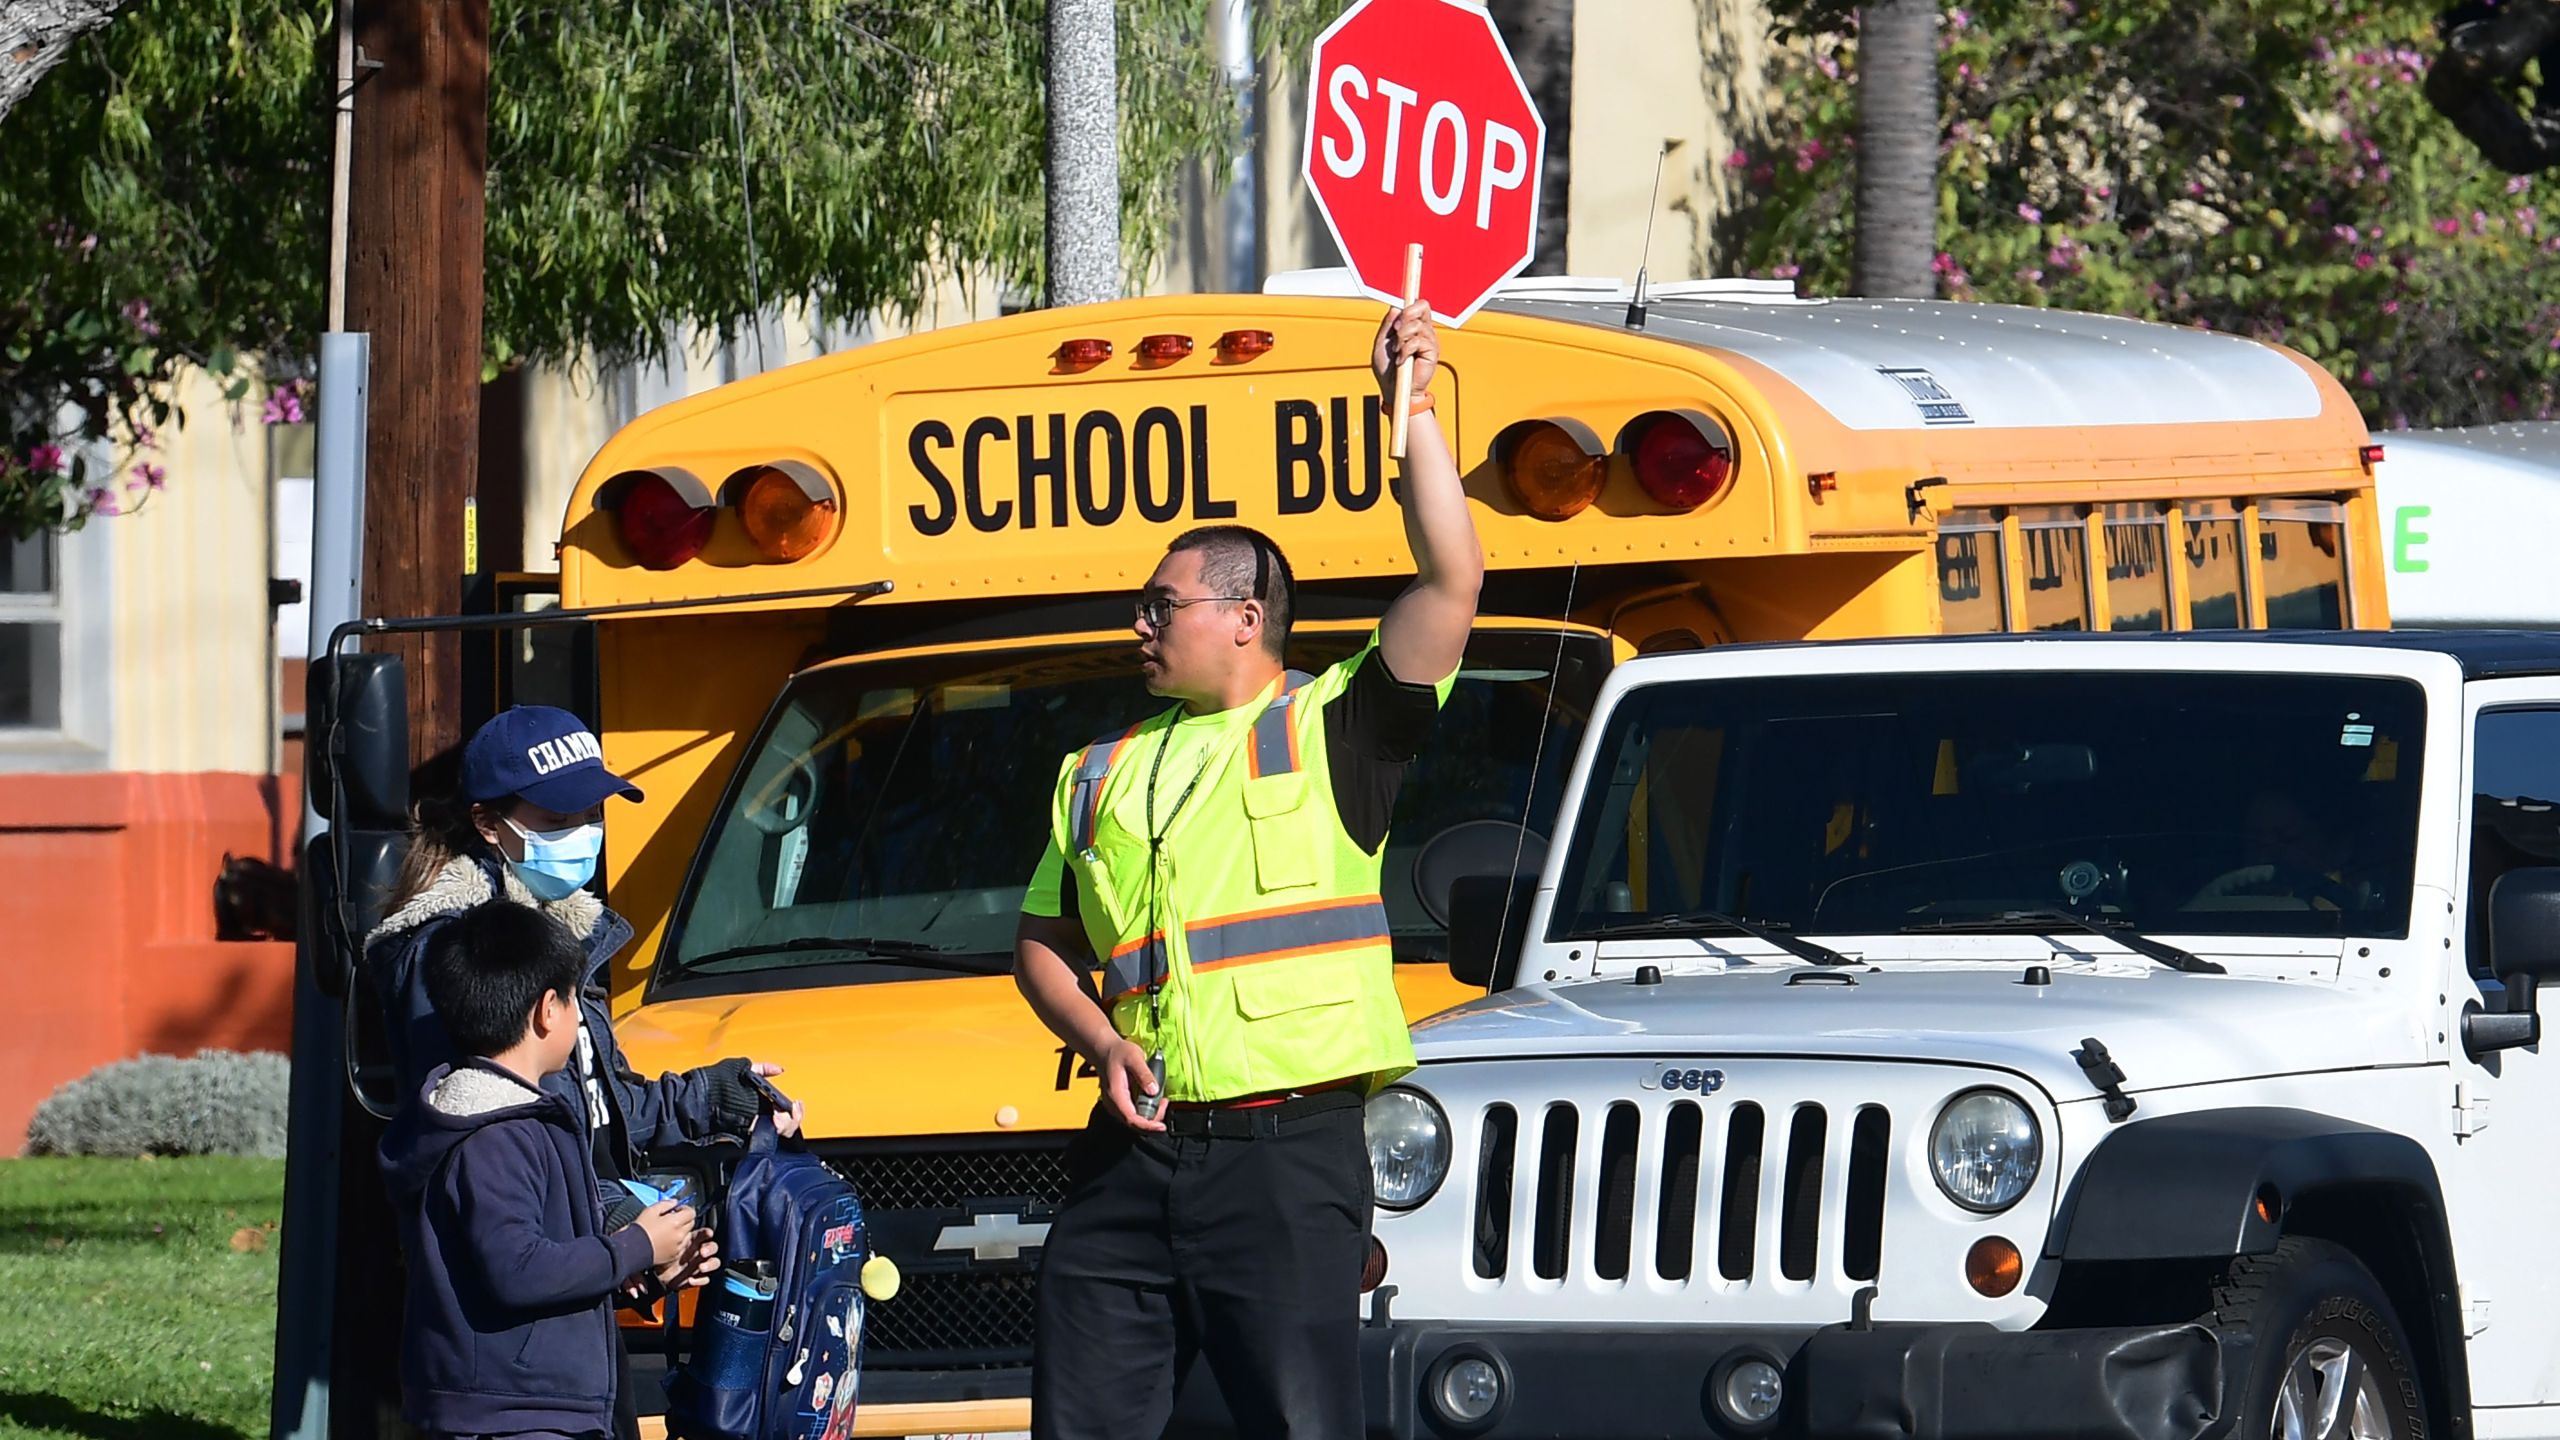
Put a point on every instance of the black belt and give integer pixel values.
(1259, 1121)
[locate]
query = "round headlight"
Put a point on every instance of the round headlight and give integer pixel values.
(1986, 1150)
(1408, 1147)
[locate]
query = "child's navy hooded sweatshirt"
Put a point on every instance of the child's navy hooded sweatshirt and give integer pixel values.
(509, 1324)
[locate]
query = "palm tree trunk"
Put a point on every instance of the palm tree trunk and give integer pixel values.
(1897, 149)
(35, 35)
(1084, 153)
(1540, 35)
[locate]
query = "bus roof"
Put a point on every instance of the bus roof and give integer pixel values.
(2002, 366)
(2467, 517)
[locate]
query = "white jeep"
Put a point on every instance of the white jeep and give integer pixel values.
(2091, 1036)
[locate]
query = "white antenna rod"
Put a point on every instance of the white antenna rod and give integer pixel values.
(1635, 307)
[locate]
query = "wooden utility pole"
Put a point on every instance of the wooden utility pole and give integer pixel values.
(418, 196)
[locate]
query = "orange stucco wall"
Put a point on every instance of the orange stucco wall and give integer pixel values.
(107, 926)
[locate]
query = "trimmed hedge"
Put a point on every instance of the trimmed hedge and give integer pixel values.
(216, 1103)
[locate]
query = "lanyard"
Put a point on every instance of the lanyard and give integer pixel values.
(1155, 877)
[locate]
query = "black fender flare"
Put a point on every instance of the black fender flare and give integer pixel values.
(2188, 1186)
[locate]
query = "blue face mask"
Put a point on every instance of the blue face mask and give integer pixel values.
(557, 863)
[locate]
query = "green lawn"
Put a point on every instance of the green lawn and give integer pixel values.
(139, 1297)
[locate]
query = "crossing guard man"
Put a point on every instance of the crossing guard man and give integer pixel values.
(1220, 862)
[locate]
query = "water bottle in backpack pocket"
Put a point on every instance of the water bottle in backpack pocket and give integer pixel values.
(778, 1336)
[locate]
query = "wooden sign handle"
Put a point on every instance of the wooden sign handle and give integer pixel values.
(1404, 363)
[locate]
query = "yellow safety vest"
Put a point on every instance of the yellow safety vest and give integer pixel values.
(1258, 917)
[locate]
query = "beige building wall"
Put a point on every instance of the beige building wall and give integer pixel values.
(191, 660)
(1682, 79)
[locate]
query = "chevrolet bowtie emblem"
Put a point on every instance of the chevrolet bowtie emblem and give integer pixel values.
(992, 1237)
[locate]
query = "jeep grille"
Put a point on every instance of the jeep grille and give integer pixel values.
(1556, 1184)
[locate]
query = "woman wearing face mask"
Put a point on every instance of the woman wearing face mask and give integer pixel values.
(528, 827)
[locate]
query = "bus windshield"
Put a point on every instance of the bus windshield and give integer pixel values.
(888, 819)
(2203, 803)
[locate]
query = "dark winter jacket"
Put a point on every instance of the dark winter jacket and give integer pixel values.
(509, 1320)
(628, 1115)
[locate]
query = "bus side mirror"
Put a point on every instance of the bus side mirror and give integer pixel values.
(1488, 925)
(2524, 950)
(358, 723)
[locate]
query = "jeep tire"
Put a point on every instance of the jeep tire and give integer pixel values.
(2327, 1359)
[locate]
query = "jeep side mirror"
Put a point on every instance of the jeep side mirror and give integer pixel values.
(1488, 923)
(2524, 950)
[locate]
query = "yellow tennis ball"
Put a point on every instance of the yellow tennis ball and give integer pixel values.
(880, 1277)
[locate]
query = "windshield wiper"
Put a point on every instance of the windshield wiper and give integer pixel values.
(868, 947)
(2120, 931)
(1768, 930)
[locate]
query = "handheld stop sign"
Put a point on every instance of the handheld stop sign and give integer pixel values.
(1423, 152)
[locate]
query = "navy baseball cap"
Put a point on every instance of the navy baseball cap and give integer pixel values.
(544, 754)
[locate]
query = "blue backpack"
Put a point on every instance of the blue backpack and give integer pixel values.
(776, 1343)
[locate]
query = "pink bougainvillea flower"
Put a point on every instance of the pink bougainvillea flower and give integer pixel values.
(103, 501)
(152, 476)
(45, 459)
(2029, 213)
(2364, 260)
(1740, 159)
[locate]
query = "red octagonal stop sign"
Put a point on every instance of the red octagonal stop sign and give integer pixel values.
(1418, 129)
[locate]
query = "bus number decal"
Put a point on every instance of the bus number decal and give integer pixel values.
(1069, 1070)
(1096, 468)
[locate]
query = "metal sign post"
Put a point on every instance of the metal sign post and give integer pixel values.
(306, 1282)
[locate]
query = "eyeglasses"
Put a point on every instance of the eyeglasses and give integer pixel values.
(1157, 610)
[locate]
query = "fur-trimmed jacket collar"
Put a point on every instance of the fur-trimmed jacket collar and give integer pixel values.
(466, 881)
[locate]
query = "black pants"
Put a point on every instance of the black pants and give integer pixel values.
(1242, 1248)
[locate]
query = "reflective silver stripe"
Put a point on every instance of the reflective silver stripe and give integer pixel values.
(1084, 802)
(1272, 752)
(1346, 922)
(1127, 973)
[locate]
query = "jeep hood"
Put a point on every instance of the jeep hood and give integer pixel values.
(2165, 1028)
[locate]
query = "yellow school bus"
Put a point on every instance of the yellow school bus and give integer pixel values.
(920, 558)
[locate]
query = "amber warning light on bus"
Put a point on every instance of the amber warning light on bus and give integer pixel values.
(1556, 468)
(666, 515)
(788, 509)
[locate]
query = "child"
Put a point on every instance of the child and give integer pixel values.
(509, 1327)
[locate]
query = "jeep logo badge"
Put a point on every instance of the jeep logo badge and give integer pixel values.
(1675, 1077)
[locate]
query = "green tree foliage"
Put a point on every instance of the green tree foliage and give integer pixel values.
(2269, 167)
(175, 212)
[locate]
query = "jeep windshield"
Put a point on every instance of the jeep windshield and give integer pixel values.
(2149, 802)
(887, 820)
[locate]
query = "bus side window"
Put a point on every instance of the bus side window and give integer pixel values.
(2302, 561)
(1973, 584)
(2215, 599)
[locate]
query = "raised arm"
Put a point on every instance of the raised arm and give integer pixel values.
(1425, 631)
